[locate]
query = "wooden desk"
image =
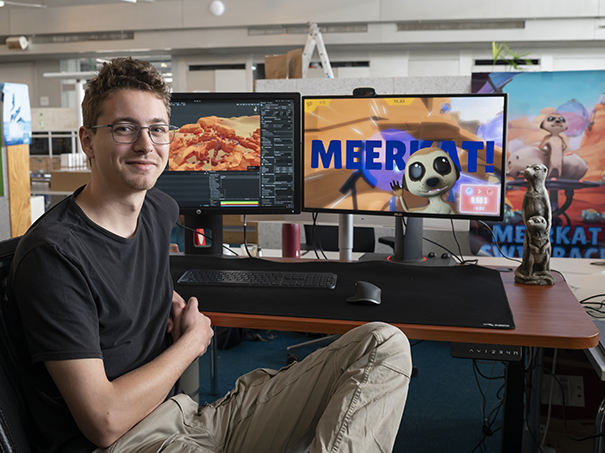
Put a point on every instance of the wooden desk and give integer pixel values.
(544, 316)
(549, 317)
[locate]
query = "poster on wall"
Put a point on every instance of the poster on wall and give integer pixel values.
(16, 114)
(558, 119)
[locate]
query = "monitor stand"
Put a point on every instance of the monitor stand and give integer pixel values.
(408, 247)
(212, 241)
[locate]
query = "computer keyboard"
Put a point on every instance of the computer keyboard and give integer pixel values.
(325, 280)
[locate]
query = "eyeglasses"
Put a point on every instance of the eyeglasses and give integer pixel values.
(127, 133)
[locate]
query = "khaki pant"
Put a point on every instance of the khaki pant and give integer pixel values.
(346, 397)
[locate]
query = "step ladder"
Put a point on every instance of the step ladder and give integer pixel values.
(315, 39)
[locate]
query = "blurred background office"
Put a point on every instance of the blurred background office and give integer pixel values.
(201, 45)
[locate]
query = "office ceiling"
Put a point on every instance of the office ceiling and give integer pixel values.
(61, 3)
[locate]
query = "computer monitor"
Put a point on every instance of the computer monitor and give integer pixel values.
(234, 153)
(418, 156)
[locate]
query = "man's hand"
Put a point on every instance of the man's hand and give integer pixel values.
(186, 317)
(193, 324)
(104, 410)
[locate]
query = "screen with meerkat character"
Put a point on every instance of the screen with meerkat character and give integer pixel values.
(406, 155)
(413, 155)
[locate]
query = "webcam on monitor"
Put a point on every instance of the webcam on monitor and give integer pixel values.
(364, 92)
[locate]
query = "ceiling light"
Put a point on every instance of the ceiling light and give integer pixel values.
(217, 8)
(30, 5)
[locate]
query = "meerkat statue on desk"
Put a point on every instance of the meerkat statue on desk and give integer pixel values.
(537, 215)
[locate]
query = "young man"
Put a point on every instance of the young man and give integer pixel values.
(105, 338)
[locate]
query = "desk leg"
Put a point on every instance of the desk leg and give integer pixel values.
(512, 416)
(213, 377)
(534, 404)
(598, 429)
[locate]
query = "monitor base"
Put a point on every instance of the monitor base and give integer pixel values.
(428, 262)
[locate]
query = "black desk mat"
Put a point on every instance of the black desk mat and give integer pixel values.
(460, 296)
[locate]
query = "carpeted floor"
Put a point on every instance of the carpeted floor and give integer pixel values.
(444, 408)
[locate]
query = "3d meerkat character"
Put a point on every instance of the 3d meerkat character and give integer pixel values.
(537, 215)
(553, 145)
(429, 173)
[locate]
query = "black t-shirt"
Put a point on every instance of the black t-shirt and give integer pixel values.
(83, 292)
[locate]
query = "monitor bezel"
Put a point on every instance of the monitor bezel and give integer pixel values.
(295, 97)
(461, 216)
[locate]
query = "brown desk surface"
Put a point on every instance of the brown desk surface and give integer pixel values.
(544, 316)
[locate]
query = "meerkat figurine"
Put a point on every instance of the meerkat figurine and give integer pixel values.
(535, 267)
(537, 215)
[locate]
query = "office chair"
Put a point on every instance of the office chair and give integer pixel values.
(325, 237)
(15, 426)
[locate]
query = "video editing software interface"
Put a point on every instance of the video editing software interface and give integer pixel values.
(234, 153)
(417, 155)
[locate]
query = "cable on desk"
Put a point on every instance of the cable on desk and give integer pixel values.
(560, 273)
(548, 414)
(532, 353)
(563, 410)
(592, 310)
(496, 242)
(459, 259)
(489, 420)
(456, 257)
(315, 234)
(581, 439)
(456, 239)
(245, 240)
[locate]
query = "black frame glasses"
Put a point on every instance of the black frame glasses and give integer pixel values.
(128, 133)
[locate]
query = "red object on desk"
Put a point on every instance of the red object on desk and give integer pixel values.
(290, 240)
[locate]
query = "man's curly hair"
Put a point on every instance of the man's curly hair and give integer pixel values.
(121, 74)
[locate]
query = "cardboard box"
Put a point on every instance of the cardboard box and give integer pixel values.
(286, 66)
(68, 180)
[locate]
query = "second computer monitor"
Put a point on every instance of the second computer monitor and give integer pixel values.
(234, 153)
(414, 155)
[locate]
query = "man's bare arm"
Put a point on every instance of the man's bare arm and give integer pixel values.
(105, 410)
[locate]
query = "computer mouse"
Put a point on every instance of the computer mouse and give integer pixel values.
(366, 293)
